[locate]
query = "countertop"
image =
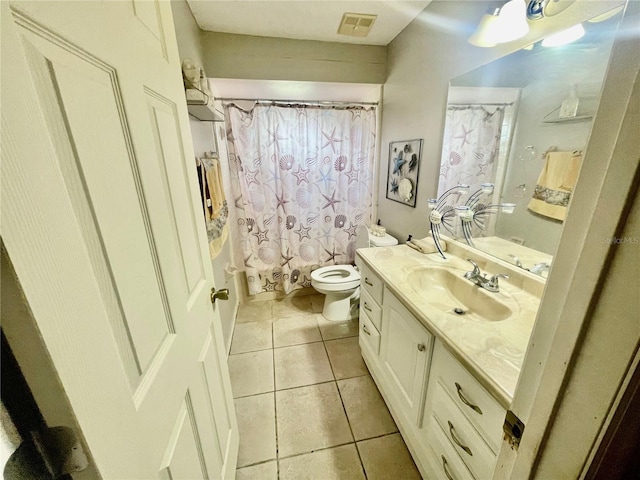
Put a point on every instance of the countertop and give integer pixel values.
(493, 351)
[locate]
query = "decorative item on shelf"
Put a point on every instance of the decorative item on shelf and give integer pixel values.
(402, 176)
(579, 105)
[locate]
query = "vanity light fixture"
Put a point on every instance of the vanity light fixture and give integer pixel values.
(512, 21)
(485, 34)
(564, 37)
(501, 25)
(606, 15)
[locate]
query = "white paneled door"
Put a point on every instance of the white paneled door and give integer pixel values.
(102, 221)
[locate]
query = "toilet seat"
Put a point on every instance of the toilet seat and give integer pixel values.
(336, 277)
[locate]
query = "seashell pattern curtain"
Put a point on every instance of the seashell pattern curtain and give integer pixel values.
(471, 146)
(302, 182)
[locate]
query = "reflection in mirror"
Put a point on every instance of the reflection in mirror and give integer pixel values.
(522, 123)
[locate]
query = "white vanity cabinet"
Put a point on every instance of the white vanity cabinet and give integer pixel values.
(370, 311)
(405, 354)
(449, 421)
(467, 417)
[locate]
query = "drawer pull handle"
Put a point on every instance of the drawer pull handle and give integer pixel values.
(456, 441)
(465, 401)
(365, 330)
(444, 467)
(421, 347)
(366, 280)
(367, 308)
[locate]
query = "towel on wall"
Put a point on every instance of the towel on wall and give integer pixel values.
(216, 211)
(555, 184)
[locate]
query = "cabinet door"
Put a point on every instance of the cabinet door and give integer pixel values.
(405, 353)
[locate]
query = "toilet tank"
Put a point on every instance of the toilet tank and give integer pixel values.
(366, 240)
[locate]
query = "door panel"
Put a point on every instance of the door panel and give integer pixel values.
(99, 218)
(166, 132)
(213, 374)
(148, 14)
(184, 457)
(80, 92)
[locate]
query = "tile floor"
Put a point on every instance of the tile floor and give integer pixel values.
(307, 407)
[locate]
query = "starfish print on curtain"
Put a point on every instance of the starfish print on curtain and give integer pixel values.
(471, 146)
(303, 180)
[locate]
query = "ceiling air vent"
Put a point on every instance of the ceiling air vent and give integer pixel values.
(356, 24)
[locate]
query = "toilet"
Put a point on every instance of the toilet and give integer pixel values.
(341, 283)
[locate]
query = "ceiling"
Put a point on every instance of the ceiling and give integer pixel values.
(305, 19)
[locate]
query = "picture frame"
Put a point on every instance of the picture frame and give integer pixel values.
(403, 170)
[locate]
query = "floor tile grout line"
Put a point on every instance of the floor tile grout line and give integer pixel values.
(277, 459)
(314, 384)
(275, 400)
(251, 351)
(320, 449)
(347, 417)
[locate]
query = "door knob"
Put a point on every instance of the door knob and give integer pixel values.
(222, 294)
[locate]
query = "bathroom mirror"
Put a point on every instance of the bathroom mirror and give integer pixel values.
(509, 120)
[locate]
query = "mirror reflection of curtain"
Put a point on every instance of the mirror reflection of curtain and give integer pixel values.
(302, 182)
(471, 146)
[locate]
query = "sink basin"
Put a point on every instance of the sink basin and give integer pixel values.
(449, 292)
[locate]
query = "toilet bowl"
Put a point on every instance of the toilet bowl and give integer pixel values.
(341, 283)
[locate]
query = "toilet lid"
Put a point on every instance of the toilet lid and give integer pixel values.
(335, 274)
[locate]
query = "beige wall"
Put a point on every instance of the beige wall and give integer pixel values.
(202, 133)
(267, 58)
(421, 61)
(187, 31)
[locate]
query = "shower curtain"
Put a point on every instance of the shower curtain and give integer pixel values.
(471, 146)
(470, 151)
(302, 182)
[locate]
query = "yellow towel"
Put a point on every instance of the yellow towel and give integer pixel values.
(555, 184)
(215, 204)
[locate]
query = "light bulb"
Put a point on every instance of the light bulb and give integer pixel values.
(485, 34)
(512, 21)
(565, 36)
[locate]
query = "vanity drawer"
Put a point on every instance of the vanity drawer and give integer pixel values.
(482, 410)
(369, 334)
(463, 436)
(371, 309)
(445, 461)
(371, 283)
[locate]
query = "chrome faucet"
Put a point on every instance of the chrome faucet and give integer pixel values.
(516, 260)
(538, 268)
(476, 277)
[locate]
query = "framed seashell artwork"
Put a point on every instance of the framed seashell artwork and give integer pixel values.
(402, 174)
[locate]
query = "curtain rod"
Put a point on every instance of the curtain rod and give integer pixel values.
(299, 102)
(480, 104)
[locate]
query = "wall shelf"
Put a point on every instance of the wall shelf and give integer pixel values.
(577, 118)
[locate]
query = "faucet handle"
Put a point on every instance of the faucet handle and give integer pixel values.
(475, 272)
(493, 281)
(516, 260)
